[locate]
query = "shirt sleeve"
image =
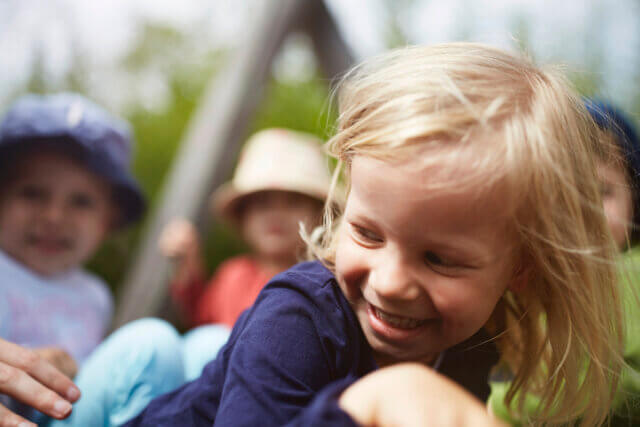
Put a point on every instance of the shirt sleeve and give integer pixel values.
(324, 409)
(627, 400)
(281, 365)
(203, 302)
(186, 296)
(287, 361)
(102, 302)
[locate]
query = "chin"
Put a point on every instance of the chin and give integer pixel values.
(280, 252)
(50, 269)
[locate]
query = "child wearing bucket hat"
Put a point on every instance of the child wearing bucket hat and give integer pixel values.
(281, 180)
(66, 185)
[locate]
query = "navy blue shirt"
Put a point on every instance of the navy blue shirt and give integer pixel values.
(286, 362)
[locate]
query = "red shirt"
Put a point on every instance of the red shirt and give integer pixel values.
(233, 288)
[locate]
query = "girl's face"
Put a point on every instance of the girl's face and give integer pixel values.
(53, 213)
(421, 273)
(617, 200)
(270, 222)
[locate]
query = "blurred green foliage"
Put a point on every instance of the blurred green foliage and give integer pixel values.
(300, 105)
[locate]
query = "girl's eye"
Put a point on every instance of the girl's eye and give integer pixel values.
(606, 189)
(436, 260)
(82, 201)
(365, 235)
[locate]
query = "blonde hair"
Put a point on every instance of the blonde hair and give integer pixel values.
(561, 334)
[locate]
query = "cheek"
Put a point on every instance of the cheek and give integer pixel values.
(311, 214)
(351, 267)
(14, 217)
(618, 213)
(250, 224)
(292, 218)
(467, 305)
(92, 229)
(612, 211)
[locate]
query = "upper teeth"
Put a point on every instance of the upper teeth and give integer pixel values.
(397, 321)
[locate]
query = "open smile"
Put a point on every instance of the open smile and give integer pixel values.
(394, 327)
(50, 245)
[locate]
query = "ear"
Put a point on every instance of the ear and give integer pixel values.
(520, 278)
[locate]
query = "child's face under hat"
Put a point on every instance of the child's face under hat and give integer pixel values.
(274, 160)
(54, 213)
(617, 199)
(270, 222)
(620, 174)
(70, 122)
(282, 179)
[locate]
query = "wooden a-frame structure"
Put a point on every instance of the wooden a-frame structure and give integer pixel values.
(216, 131)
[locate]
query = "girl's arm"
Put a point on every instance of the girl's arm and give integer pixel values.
(289, 367)
(288, 359)
(179, 242)
(413, 395)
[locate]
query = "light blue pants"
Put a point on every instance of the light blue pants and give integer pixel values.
(137, 363)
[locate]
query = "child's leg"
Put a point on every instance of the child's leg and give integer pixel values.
(200, 346)
(135, 364)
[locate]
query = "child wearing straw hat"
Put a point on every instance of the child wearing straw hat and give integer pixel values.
(281, 181)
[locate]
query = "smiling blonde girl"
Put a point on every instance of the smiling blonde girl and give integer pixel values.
(472, 204)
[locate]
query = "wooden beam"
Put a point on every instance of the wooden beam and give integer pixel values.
(211, 141)
(334, 56)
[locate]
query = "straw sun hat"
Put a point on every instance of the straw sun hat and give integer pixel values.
(274, 159)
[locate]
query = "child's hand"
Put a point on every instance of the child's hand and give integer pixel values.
(412, 395)
(60, 359)
(179, 240)
(32, 380)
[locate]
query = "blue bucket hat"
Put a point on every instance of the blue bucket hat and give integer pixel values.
(71, 121)
(611, 119)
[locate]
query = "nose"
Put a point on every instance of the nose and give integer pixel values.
(394, 278)
(53, 211)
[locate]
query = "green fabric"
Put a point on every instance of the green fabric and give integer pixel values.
(498, 407)
(627, 400)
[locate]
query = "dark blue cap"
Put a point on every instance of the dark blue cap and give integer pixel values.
(69, 120)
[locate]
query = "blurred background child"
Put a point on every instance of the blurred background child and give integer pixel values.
(619, 173)
(281, 180)
(620, 180)
(618, 169)
(66, 185)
